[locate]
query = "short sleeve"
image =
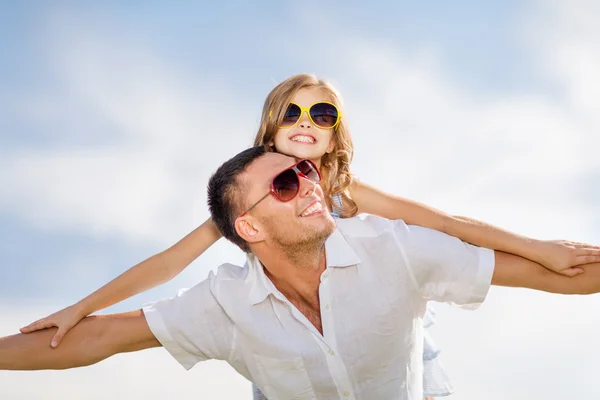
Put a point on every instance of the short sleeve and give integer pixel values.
(443, 267)
(192, 326)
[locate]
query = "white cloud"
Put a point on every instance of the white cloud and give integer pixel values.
(511, 159)
(521, 345)
(451, 148)
(164, 138)
(566, 38)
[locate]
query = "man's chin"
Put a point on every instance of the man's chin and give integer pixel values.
(324, 222)
(312, 230)
(327, 227)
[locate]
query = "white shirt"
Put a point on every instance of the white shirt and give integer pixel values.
(373, 294)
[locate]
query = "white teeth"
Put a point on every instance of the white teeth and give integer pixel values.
(303, 139)
(314, 208)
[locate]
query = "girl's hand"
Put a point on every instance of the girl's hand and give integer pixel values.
(64, 320)
(564, 257)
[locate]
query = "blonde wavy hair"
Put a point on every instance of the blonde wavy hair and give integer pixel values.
(335, 166)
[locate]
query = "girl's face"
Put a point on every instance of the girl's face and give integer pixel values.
(304, 139)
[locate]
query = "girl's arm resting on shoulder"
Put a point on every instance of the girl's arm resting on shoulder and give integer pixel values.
(558, 256)
(152, 272)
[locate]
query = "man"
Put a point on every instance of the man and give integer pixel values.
(316, 312)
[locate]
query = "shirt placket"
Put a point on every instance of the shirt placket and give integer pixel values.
(328, 342)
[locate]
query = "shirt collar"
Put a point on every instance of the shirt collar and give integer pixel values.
(338, 253)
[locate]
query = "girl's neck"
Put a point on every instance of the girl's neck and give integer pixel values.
(317, 162)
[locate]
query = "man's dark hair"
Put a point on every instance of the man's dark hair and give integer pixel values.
(226, 194)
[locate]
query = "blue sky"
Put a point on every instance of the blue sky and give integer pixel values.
(113, 116)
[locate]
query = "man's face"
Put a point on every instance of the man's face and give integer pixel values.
(301, 221)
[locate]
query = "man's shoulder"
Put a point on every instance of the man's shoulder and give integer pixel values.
(230, 272)
(366, 225)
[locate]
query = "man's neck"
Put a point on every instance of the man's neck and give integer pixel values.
(295, 274)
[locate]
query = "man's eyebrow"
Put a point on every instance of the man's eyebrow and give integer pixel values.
(271, 177)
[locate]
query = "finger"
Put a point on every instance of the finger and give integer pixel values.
(587, 259)
(36, 326)
(571, 272)
(58, 337)
(27, 329)
(587, 251)
(31, 326)
(585, 245)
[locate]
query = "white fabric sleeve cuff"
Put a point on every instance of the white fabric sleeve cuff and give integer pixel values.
(483, 281)
(160, 331)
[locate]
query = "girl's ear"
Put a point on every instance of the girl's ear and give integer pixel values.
(249, 229)
(331, 145)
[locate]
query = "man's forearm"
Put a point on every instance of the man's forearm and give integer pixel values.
(92, 340)
(32, 351)
(515, 271)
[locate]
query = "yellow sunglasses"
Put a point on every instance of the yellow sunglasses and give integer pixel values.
(323, 115)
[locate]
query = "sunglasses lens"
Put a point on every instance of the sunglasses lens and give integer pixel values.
(309, 170)
(324, 115)
(286, 185)
(291, 115)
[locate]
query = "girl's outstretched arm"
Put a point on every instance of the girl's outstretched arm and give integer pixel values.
(559, 256)
(151, 272)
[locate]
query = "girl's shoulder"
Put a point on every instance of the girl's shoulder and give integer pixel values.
(337, 205)
(337, 199)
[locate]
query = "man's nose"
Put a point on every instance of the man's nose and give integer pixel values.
(307, 187)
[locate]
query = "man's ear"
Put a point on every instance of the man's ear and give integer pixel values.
(249, 229)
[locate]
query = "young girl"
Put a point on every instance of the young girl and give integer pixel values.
(302, 118)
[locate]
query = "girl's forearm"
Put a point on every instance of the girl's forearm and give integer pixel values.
(143, 276)
(153, 271)
(373, 201)
(486, 235)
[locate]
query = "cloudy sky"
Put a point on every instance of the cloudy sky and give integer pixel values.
(113, 116)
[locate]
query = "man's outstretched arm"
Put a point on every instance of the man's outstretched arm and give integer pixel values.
(515, 271)
(93, 339)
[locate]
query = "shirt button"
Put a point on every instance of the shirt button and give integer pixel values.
(324, 275)
(331, 353)
(327, 306)
(346, 394)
